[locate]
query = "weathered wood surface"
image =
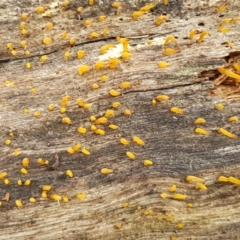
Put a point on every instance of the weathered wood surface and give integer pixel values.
(170, 140)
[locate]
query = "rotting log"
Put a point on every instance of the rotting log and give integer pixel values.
(192, 82)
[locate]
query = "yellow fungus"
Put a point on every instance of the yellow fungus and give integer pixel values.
(65, 198)
(43, 58)
(125, 205)
(130, 155)
(49, 25)
(55, 197)
(94, 35)
(66, 55)
(138, 141)
(148, 212)
(62, 110)
(102, 18)
(81, 54)
(44, 194)
(23, 25)
(177, 110)
(180, 225)
(114, 93)
(85, 151)
(66, 3)
(28, 65)
(27, 182)
(24, 171)
(6, 181)
(105, 32)
(201, 131)
(64, 35)
(117, 4)
(137, 14)
(46, 188)
(88, 22)
(32, 200)
(80, 9)
(66, 120)
(147, 7)
(100, 65)
(109, 113)
(127, 112)
(3, 175)
(11, 134)
(237, 67)
(190, 205)
(200, 186)
(223, 29)
(112, 126)
(51, 107)
(165, 2)
(33, 90)
(163, 64)
(219, 106)
(106, 170)
(90, 2)
(92, 118)
(82, 130)
(17, 151)
(139, 208)
(116, 104)
(7, 142)
(154, 102)
(25, 162)
(101, 120)
(125, 85)
(124, 141)
(199, 120)
(229, 73)
(42, 162)
(19, 182)
(191, 178)
(24, 16)
(179, 196)
(69, 173)
(83, 69)
(10, 46)
(234, 180)
(99, 131)
(14, 53)
(170, 39)
(27, 53)
(170, 51)
(118, 225)
(173, 188)
(192, 33)
(223, 179)
(226, 133)
(233, 119)
(147, 162)
(106, 47)
(23, 44)
(76, 147)
(72, 41)
(202, 36)
(221, 8)
(47, 40)
(162, 98)
(24, 32)
(18, 203)
(126, 55)
(161, 19)
(81, 196)
(40, 10)
(93, 127)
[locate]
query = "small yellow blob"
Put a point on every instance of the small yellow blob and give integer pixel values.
(47, 40)
(33, 90)
(23, 44)
(127, 112)
(192, 33)
(147, 7)
(112, 126)
(17, 152)
(44, 194)
(130, 155)
(14, 53)
(90, 2)
(66, 55)
(102, 18)
(105, 32)
(138, 140)
(221, 8)
(125, 205)
(163, 195)
(66, 3)
(80, 9)
(65, 199)
(66, 120)
(163, 64)
(199, 120)
(147, 162)
(180, 225)
(37, 114)
(162, 98)
(106, 170)
(11, 134)
(69, 173)
(99, 131)
(92, 118)
(201, 131)
(62, 110)
(137, 14)
(170, 51)
(190, 205)
(117, 4)
(85, 151)
(93, 128)
(124, 141)
(81, 196)
(116, 104)
(101, 120)
(7, 142)
(42, 162)
(76, 147)
(118, 225)
(55, 197)
(28, 65)
(19, 182)
(19, 203)
(94, 35)
(224, 29)
(226, 133)
(173, 188)
(27, 53)
(219, 106)
(64, 35)
(27, 182)
(82, 130)
(179, 196)
(113, 62)
(3, 175)
(148, 212)
(10, 46)
(109, 113)
(125, 85)
(99, 65)
(24, 16)
(234, 180)
(25, 162)
(114, 93)
(24, 32)
(46, 187)
(83, 69)
(49, 25)
(40, 10)
(32, 200)
(126, 55)
(43, 58)
(202, 35)
(177, 110)
(103, 78)
(191, 178)
(51, 107)
(223, 179)
(72, 41)
(6, 181)
(80, 54)
(24, 171)
(200, 186)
